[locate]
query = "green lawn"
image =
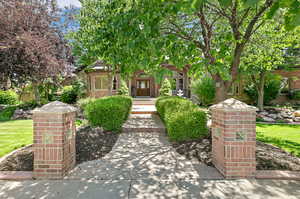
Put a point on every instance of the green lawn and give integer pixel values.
(285, 136)
(14, 134)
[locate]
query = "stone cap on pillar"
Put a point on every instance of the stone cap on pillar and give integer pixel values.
(233, 105)
(56, 107)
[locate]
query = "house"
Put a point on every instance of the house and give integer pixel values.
(102, 81)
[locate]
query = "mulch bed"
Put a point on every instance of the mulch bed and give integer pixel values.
(268, 157)
(94, 143)
(91, 144)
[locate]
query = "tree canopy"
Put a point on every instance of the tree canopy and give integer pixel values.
(203, 35)
(31, 48)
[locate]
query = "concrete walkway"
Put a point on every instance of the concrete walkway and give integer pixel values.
(144, 165)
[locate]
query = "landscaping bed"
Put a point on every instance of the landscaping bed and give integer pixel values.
(91, 144)
(278, 115)
(268, 157)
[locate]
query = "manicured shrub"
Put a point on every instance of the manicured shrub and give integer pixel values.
(82, 103)
(271, 89)
(165, 89)
(69, 95)
(295, 95)
(183, 119)
(186, 125)
(123, 90)
(109, 112)
(7, 113)
(8, 97)
(205, 90)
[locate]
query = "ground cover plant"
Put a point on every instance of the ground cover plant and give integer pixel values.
(14, 134)
(183, 119)
(7, 113)
(108, 112)
(286, 137)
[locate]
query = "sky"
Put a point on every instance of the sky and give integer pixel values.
(63, 3)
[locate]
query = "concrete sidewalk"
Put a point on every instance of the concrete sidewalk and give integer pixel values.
(145, 165)
(151, 188)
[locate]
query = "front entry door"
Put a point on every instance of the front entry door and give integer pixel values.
(143, 88)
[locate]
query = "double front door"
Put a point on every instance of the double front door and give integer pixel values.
(143, 88)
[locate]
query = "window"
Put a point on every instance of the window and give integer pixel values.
(101, 83)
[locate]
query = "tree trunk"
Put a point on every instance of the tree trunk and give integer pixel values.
(221, 91)
(260, 91)
(36, 93)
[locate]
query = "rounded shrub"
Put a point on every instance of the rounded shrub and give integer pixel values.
(165, 89)
(109, 112)
(205, 90)
(8, 97)
(69, 95)
(183, 119)
(186, 125)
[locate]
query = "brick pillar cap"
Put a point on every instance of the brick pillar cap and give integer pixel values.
(233, 105)
(55, 107)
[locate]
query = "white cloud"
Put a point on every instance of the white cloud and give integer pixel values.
(63, 3)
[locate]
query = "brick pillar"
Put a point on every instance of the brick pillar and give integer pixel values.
(54, 140)
(234, 138)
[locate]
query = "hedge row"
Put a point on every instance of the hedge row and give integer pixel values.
(183, 119)
(109, 112)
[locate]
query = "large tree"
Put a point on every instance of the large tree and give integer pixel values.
(31, 48)
(194, 34)
(265, 53)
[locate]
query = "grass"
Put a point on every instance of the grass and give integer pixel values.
(14, 134)
(284, 136)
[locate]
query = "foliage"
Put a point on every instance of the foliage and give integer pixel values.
(165, 89)
(69, 95)
(7, 113)
(267, 52)
(183, 119)
(205, 90)
(283, 136)
(109, 112)
(8, 97)
(271, 89)
(31, 48)
(82, 103)
(30, 105)
(295, 95)
(203, 35)
(18, 133)
(123, 90)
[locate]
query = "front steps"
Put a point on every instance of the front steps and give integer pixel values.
(144, 117)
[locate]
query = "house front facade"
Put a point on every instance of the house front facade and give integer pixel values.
(101, 82)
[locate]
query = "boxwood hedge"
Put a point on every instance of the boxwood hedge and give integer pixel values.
(183, 119)
(108, 112)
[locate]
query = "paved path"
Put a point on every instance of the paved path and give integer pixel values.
(144, 165)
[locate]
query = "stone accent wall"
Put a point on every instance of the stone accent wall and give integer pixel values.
(54, 140)
(234, 138)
